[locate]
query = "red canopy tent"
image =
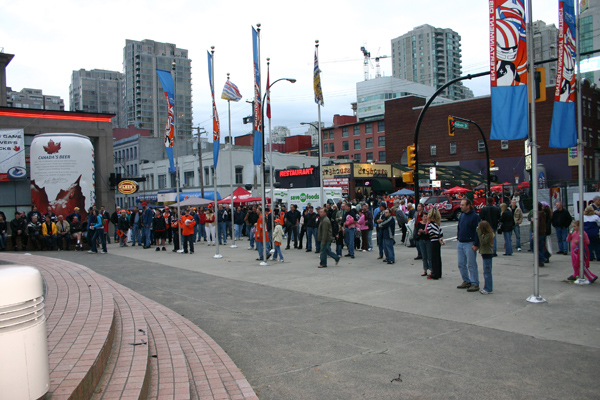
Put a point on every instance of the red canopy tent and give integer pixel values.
(498, 188)
(455, 190)
(242, 197)
(524, 185)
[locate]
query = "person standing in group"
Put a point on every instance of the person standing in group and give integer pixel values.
(370, 222)
(486, 249)
(123, 226)
(292, 219)
(187, 231)
(364, 230)
(349, 229)
(561, 220)
(175, 229)
(136, 229)
(573, 239)
(518, 220)
(387, 224)
(507, 222)
(202, 226)
(222, 216)
(251, 219)
(258, 236)
(147, 219)
(468, 244)
(491, 214)
(277, 240)
(238, 220)
(591, 223)
(325, 236)
(210, 226)
(423, 241)
(310, 222)
(436, 237)
(159, 225)
(420, 220)
(98, 225)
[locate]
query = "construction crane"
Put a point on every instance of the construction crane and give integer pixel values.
(367, 61)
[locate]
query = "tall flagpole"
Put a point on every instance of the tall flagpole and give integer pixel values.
(175, 141)
(320, 142)
(535, 297)
(233, 246)
(582, 280)
(270, 148)
(262, 161)
(212, 82)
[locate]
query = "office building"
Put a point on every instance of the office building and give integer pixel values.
(97, 91)
(33, 98)
(145, 103)
(545, 39)
(430, 56)
(590, 40)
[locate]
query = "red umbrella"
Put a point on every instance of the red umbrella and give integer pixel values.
(524, 185)
(455, 190)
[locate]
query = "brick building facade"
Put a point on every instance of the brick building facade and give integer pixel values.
(465, 149)
(349, 139)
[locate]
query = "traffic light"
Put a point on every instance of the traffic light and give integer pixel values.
(412, 156)
(450, 126)
(407, 177)
(492, 164)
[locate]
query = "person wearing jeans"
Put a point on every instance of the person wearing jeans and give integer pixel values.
(518, 220)
(325, 236)
(468, 244)
(561, 220)
(147, 220)
(507, 220)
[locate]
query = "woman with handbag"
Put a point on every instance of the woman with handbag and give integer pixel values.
(506, 225)
(436, 239)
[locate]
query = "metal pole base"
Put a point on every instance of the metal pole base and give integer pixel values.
(582, 281)
(536, 299)
(218, 256)
(233, 246)
(263, 263)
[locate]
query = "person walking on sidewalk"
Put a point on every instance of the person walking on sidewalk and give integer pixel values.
(325, 236)
(468, 244)
(277, 240)
(561, 220)
(486, 249)
(573, 239)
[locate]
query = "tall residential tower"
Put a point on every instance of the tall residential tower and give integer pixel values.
(97, 91)
(430, 56)
(145, 103)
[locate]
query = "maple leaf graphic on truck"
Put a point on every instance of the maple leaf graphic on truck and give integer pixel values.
(52, 147)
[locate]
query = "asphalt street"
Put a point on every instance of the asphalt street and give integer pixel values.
(369, 330)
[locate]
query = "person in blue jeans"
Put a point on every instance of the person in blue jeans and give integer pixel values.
(507, 221)
(310, 221)
(222, 217)
(349, 231)
(468, 244)
(147, 221)
(561, 221)
(486, 249)
(386, 225)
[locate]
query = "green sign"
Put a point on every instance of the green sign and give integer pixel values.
(462, 125)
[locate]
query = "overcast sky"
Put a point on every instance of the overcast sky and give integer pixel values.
(52, 39)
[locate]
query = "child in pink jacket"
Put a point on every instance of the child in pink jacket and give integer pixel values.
(573, 239)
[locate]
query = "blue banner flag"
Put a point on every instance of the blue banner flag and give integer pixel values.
(258, 135)
(216, 126)
(508, 56)
(563, 132)
(166, 80)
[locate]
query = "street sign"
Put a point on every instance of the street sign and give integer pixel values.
(494, 169)
(424, 182)
(460, 124)
(436, 184)
(432, 173)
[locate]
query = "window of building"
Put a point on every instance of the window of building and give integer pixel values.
(207, 175)
(239, 175)
(452, 147)
(368, 128)
(356, 130)
(381, 124)
(188, 178)
(504, 144)
(162, 181)
(345, 132)
(480, 146)
(357, 157)
(382, 156)
(381, 141)
(369, 156)
(369, 143)
(135, 152)
(357, 144)
(345, 146)
(433, 150)
(331, 148)
(174, 179)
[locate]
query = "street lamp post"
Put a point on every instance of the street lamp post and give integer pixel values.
(320, 163)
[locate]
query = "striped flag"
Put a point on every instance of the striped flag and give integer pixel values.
(317, 81)
(216, 127)
(166, 80)
(563, 131)
(231, 92)
(508, 56)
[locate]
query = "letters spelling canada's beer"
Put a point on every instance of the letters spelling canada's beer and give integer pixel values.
(127, 187)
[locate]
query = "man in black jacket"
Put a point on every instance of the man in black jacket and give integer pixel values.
(292, 218)
(18, 227)
(561, 220)
(491, 214)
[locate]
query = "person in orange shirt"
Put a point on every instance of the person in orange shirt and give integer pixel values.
(187, 231)
(258, 237)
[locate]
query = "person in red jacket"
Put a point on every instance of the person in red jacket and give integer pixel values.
(187, 231)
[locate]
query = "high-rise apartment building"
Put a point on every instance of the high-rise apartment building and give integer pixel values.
(430, 56)
(33, 98)
(590, 40)
(97, 91)
(545, 40)
(145, 103)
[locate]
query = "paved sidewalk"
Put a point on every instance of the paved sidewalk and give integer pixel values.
(298, 332)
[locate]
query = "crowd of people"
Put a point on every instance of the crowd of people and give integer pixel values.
(338, 225)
